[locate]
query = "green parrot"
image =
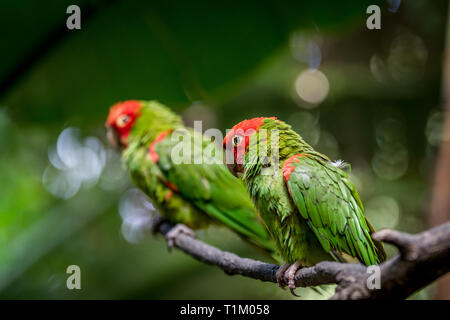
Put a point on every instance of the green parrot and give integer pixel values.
(159, 152)
(308, 204)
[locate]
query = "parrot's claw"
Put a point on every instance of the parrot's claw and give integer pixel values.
(175, 232)
(290, 274)
(280, 275)
(287, 272)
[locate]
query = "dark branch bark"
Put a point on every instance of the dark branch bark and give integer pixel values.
(423, 258)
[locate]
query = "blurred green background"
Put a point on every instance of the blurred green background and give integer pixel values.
(370, 97)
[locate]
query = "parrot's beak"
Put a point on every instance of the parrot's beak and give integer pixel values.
(235, 169)
(113, 137)
(232, 168)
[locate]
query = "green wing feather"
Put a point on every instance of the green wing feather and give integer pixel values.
(212, 188)
(329, 202)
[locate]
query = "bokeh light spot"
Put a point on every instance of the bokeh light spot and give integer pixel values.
(312, 86)
(73, 164)
(136, 211)
(306, 50)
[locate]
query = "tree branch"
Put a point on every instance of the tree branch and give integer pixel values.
(423, 258)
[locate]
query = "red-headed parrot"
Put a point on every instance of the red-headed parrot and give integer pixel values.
(186, 194)
(308, 204)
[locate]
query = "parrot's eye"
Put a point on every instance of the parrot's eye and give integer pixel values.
(122, 120)
(237, 140)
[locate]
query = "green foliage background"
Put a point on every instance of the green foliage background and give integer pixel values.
(235, 59)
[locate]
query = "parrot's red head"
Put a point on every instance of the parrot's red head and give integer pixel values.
(238, 138)
(121, 119)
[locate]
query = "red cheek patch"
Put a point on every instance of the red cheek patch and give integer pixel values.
(154, 156)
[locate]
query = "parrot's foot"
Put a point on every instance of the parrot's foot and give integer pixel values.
(175, 232)
(290, 274)
(287, 271)
(280, 275)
